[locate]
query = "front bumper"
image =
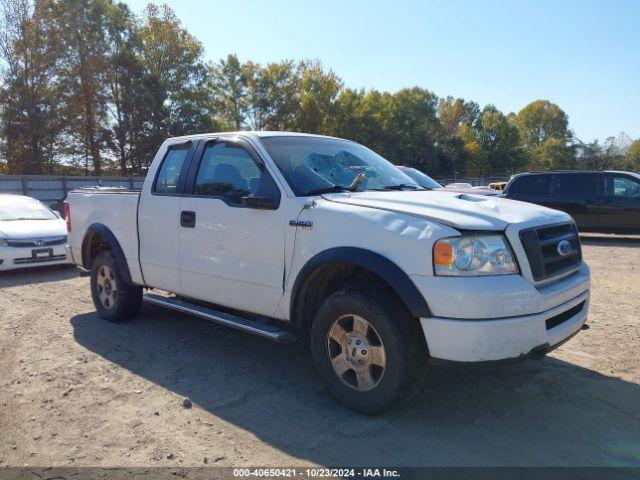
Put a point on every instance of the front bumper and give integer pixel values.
(484, 319)
(475, 341)
(12, 258)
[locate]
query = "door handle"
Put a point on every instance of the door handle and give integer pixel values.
(187, 219)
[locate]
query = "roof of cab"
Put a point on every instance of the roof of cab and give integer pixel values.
(549, 172)
(251, 133)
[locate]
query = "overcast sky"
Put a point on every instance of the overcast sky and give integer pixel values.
(582, 54)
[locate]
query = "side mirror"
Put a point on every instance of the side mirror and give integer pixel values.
(260, 203)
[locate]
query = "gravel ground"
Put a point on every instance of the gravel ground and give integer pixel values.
(78, 391)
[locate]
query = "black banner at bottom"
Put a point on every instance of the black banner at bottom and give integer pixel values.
(397, 473)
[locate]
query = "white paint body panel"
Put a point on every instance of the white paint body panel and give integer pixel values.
(234, 256)
(118, 211)
(498, 339)
(469, 212)
(158, 219)
(249, 259)
(159, 223)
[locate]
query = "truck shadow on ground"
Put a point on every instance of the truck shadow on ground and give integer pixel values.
(537, 412)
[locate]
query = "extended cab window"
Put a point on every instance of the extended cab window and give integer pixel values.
(167, 180)
(229, 172)
(531, 184)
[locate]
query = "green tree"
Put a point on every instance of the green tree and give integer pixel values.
(589, 156)
(125, 89)
(347, 120)
(317, 95)
(272, 95)
(82, 72)
(474, 156)
(229, 80)
(554, 154)
(414, 126)
(545, 134)
(614, 152)
(633, 157)
(177, 98)
(29, 119)
(542, 120)
(458, 147)
(454, 113)
(500, 141)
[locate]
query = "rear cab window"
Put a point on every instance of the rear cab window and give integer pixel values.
(168, 179)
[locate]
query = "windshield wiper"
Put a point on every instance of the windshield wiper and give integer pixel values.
(401, 186)
(331, 189)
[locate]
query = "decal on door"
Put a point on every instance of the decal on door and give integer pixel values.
(301, 223)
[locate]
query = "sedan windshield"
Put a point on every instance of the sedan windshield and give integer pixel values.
(314, 165)
(421, 179)
(21, 208)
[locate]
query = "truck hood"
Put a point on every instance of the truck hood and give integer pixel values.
(458, 210)
(32, 228)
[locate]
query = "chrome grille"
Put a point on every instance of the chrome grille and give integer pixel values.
(543, 248)
(37, 242)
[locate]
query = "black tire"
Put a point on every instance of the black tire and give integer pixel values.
(124, 300)
(399, 333)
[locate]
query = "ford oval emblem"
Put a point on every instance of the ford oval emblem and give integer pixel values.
(564, 248)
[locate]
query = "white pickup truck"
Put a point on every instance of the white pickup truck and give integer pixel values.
(280, 234)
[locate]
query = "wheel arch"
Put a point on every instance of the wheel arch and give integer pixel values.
(351, 257)
(98, 238)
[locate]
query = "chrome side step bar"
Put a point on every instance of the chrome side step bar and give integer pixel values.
(246, 325)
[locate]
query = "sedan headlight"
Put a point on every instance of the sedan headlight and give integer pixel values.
(470, 255)
(3, 242)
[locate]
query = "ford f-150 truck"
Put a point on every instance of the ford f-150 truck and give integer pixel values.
(284, 235)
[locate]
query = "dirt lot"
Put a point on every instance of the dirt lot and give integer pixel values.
(78, 391)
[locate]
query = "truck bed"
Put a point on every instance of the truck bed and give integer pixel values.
(115, 208)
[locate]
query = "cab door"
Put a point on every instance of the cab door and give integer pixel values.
(620, 204)
(577, 195)
(158, 214)
(232, 229)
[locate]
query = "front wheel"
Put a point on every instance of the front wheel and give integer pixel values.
(368, 349)
(114, 299)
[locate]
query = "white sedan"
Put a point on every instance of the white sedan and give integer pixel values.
(30, 234)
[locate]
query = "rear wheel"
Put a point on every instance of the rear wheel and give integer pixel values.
(368, 349)
(114, 299)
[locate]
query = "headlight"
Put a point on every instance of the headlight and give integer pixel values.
(470, 255)
(3, 242)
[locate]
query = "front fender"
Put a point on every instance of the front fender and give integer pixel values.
(376, 263)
